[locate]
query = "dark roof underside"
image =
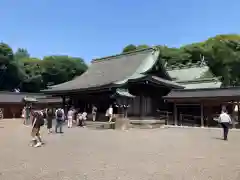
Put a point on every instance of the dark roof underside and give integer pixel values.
(49, 100)
(18, 98)
(11, 97)
(108, 71)
(230, 93)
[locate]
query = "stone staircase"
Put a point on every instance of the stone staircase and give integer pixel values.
(139, 124)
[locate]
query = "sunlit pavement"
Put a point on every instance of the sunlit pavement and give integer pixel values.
(149, 154)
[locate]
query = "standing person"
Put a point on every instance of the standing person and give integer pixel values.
(109, 113)
(49, 120)
(94, 112)
(79, 119)
(84, 118)
(59, 119)
(37, 123)
(70, 117)
(225, 121)
(23, 115)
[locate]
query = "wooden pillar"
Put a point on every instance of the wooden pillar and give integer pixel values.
(141, 107)
(167, 118)
(202, 116)
(64, 105)
(208, 114)
(238, 113)
(63, 102)
(175, 114)
(181, 119)
(234, 115)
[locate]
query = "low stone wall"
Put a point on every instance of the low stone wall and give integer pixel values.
(122, 124)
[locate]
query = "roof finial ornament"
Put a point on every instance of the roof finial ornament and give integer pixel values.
(165, 64)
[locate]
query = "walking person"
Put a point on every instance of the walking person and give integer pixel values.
(59, 119)
(70, 117)
(84, 118)
(79, 119)
(37, 123)
(49, 120)
(94, 112)
(225, 121)
(23, 115)
(109, 113)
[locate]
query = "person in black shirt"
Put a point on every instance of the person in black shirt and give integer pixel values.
(49, 120)
(38, 121)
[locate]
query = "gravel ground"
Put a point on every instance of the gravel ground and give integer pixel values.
(137, 154)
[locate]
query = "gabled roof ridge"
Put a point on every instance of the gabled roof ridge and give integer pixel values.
(122, 54)
(182, 66)
(208, 89)
(19, 93)
(200, 80)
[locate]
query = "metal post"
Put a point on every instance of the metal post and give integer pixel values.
(175, 114)
(181, 119)
(238, 113)
(167, 119)
(202, 116)
(63, 102)
(234, 117)
(140, 107)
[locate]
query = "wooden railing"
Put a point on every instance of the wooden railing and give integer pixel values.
(181, 120)
(189, 119)
(165, 115)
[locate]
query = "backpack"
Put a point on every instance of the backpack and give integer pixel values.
(40, 119)
(59, 113)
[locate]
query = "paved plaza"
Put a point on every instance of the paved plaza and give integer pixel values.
(137, 154)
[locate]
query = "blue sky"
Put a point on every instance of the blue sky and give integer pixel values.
(97, 28)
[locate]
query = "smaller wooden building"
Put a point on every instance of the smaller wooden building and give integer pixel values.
(12, 103)
(201, 107)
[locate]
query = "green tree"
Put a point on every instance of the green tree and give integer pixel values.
(33, 81)
(6, 54)
(173, 56)
(194, 51)
(129, 48)
(223, 58)
(59, 69)
(10, 73)
(143, 46)
(21, 53)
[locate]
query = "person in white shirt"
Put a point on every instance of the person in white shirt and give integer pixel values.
(110, 113)
(70, 117)
(84, 118)
(94, 112)
(225, 121)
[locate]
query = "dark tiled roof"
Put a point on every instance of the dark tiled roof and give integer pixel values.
(49, 100)
(13, 97)
(110, 71)
(204, 93)
(167, 82)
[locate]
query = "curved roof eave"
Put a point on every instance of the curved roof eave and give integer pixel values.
(149, 62)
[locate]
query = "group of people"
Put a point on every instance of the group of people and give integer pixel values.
(41, 117)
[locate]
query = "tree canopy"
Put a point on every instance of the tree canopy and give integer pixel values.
(221, 53)
(21, 71)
